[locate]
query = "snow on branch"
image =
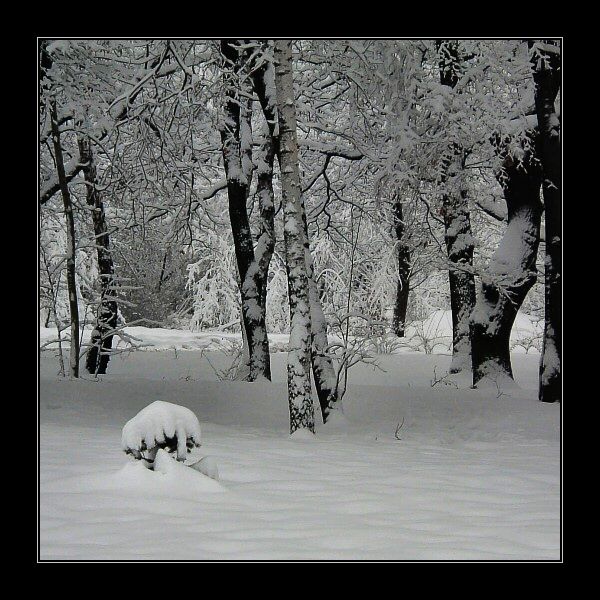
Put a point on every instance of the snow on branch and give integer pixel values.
(52, 185)
(332, 149)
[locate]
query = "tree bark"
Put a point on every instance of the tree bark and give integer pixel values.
(460, 249)
(403, 258)
(546, 75)
(322, 364)
(70, 258)
(236, 139)
(512, 271)
(106, 318)
(324, 374)
(266, 206)
(299, 355)
(457, 224)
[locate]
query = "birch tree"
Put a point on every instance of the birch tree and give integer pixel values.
(299, 353)
(322, 364)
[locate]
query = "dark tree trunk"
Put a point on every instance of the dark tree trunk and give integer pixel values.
(403, 258)
(106, 318)
(457, 224)
(321, 363)
(236, 138)
(511, 274)
(460, 249)
(70, 222)
(546, 76)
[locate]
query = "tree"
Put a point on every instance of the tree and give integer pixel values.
(457, 223)
(403, 258)
(299, 353)
(321, 362)
(106, 318)
(546, 75)
(236, 136)
(512, 270)
(46, 65)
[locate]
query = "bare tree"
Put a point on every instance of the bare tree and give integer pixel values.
(46, 64)
(106, 318)
(299, 355)
(236, 137)
(403, 258)
(324, 374)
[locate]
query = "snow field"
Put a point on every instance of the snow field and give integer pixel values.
(474, 475)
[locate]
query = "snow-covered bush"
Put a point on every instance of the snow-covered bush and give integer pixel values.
(278, 313)
(213, 283)
(161, 425)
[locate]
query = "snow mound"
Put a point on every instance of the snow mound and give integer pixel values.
(207, 466)
(336, 420)
(161, 423)
(169, 479)
(182, 477)
(302, 434)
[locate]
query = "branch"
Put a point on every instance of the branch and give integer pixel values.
(331, 149)
(50, 187)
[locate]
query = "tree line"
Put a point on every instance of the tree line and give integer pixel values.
(332, 173)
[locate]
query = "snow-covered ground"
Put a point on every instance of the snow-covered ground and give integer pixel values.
(474, 475)
(432, 335)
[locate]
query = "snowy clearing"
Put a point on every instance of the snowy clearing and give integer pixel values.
(432, 335)
(474, 475)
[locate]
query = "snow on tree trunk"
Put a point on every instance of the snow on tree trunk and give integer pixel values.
(511, 273)
(263, 83)
(546, 60)
(299, 355)
(403, 258)
(322, 364)
(70, 257)
(460, 247)
(457, 224)
(266, 238)
(236, 139)
(106, 319)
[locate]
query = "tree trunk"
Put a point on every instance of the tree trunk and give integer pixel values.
(460, 249)
(68, 210)
(547, 81)
(403, 258)
(299, 355)
(236, 139)
(511, 273)
(322, 364)
(457, 224)
(106, 319)
(266, 238)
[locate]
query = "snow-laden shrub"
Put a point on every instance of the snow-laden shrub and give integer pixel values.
(213, 283)
(278, 312)
(161, 425)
